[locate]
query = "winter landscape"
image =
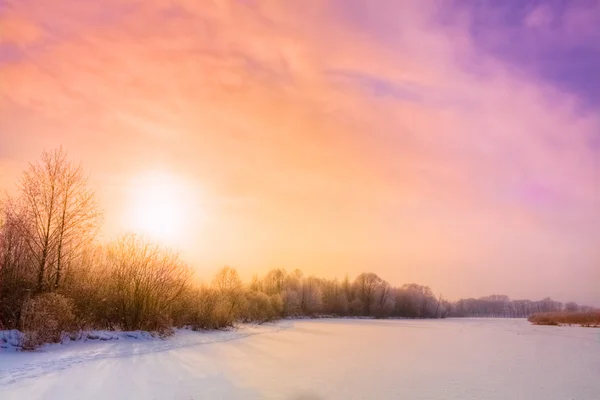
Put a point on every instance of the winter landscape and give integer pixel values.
(300, 200)
(326, 359)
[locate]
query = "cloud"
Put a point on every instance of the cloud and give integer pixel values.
(555, 41)
(363, 136)
(540, 17)
(18, 31)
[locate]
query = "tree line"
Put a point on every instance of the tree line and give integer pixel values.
(501, 306)
(55, 277)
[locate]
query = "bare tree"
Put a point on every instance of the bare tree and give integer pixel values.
(334, 298)
(230, 289)
(144, 280)
(62, 213)
(274, 281)
(310, 296)
(78, 216)
(571, 307)
(366, 286)
(16, 272)
(385, 302)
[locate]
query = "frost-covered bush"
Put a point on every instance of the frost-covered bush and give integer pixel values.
(201, 310)
(45, 319)
(230, 297)
(291, 303)
(276, 305)
(143, 283)
(261, 307)
(257, 307)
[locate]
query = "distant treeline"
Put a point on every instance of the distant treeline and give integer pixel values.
(501, 306)
(55, 277)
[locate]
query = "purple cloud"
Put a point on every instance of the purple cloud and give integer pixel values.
(558, 41)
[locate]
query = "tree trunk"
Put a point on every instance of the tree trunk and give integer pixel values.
(42, 269)
(20, 316)
(60, 245)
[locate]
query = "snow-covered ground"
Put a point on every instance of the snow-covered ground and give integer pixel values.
(461, 359)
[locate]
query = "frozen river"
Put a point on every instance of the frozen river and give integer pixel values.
(454, 359)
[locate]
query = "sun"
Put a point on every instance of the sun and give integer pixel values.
(160, 206)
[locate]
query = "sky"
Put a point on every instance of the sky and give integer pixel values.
(450, 143)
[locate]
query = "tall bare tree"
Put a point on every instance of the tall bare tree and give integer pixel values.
(78, 217)
(229, 286)
(366, 285)
(62, 214)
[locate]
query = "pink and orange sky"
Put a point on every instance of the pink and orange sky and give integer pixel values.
(450, 143)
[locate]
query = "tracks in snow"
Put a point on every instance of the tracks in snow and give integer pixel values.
(13, 367)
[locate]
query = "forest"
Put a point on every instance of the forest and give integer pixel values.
(57, 278)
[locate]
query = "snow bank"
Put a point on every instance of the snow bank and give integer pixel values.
(99, 345)
(116, 335)
(10, 340)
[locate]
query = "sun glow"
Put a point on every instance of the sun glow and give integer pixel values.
(161, 206)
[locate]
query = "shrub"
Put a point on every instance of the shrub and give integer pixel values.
(261, 307)
(258, 307)
(231, 302)
(45, 319)
(276, 306)
(202, 309)
(144, 282)
(585, 319)
(291, 303)
(162, 324)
